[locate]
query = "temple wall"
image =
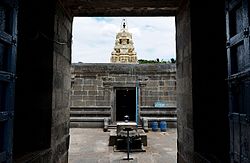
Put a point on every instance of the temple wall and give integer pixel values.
(94, 85)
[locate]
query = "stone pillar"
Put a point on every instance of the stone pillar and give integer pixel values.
(61, 84)
(185, 142)
(201, 86)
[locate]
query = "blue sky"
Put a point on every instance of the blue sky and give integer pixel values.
(94, 37)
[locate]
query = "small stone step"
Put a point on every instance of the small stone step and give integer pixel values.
(114, 126)
(87, 119)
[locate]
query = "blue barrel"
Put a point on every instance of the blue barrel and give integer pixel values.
(154, 126)
(163, 126)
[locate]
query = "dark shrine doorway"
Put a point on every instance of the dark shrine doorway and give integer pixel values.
(125, 103)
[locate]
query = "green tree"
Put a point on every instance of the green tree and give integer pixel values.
(144, 61)
(173, 60)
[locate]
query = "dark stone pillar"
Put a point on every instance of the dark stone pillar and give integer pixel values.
(43, 82)
(203, 132)
(185, 142)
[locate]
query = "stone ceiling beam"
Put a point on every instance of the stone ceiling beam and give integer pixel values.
(122, 7)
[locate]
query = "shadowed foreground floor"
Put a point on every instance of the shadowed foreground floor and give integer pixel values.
(91, 146)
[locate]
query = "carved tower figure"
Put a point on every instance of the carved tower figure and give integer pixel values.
(124, 51)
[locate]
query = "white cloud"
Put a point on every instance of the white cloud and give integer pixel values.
(94, 37)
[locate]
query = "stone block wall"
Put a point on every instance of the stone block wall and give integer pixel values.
(184, 86)
(201, 86)
(41, 128)
(93, 86)
(159, 88)
(61, 85)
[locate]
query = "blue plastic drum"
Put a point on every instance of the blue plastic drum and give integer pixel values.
(154, 126)
(163, 126)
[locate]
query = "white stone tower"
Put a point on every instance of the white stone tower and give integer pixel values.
(124, 47)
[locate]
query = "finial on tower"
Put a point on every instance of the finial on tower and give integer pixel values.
(124, 24)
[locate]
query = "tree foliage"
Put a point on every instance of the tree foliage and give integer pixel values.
(144, 61)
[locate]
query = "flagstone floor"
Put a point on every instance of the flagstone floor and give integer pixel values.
(91, 146)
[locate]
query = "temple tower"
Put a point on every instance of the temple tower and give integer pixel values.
(124, 47)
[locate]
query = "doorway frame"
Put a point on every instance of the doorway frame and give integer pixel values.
(113, 107)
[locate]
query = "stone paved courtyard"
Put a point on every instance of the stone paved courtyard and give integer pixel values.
(91, 146)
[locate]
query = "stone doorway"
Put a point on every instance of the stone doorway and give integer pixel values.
(125, 103)
(42, 124)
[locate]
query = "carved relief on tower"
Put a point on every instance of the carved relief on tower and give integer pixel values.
(124, 47)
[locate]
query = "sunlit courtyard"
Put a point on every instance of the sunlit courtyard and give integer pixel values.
(91, 146)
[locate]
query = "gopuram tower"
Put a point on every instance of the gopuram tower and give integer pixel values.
(124, 47)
